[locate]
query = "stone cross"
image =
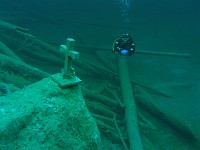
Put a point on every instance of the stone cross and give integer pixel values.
(67, 77)
(70, 55)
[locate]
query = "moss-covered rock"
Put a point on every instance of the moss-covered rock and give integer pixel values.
(45, 116)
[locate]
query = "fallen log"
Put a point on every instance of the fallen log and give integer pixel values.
(115, 97)
(100, 70)
(100, 98)
(177, 122)
(101, 109)
(7, 88)
(109, 131)
(7, 51)
(170, 54)
(21, 69)
(130, 107)
(120, 134)
(31, 48)
(16, 80)
(8, 26)
(21, 32)
(108, 120)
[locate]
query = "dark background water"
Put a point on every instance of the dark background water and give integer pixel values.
(159, 25)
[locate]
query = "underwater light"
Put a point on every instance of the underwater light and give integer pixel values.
(124, 45)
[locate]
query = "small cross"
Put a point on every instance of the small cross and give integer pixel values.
(67, 77)
(70, 55)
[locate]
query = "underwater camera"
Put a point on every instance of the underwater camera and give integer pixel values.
(124, 45)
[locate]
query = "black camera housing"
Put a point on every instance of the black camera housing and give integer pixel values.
(124, 45)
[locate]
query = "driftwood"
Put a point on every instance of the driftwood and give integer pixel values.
(20, 69)
(16, 80)
(120, 134)
(101, 109)
(100, 48)
(7, 51)
(100, 98)
(31, 47)
(144, 99)
(130, 107)
(7, 26)
(115, 97)
(145, 122)
(7, 89)
(109, 131)
(104, 126)
(27, 38)
(102, 60)
(100, 70)
(108, 120)
(23, 40)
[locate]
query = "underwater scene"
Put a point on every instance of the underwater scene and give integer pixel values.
(99, 75)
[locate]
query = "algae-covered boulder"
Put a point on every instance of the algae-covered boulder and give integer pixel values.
(44, 116)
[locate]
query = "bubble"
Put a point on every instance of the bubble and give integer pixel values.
(124, 6)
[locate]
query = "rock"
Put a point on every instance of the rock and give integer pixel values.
(45, 116)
